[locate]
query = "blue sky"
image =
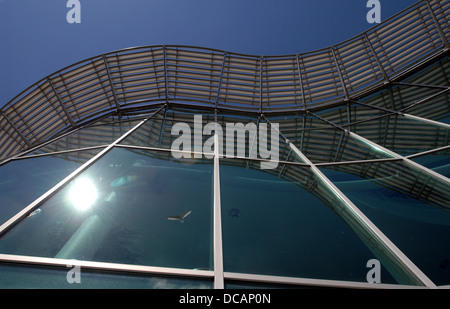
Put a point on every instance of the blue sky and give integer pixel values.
(36, 39)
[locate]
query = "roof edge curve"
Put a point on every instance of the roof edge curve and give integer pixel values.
(144, 76)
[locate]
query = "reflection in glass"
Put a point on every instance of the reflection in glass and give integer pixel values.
(334, 145)
(102, 133)
(403, 135)
(23, 181)
(149, 134)
(132, 194)
(411, 209)
(352, 112)
(435, 109)
(288, 225)
(162, 131)
(436, 161)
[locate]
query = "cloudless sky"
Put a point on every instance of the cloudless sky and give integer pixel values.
(36, 39)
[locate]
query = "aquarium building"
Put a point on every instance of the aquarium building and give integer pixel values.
(94, 194)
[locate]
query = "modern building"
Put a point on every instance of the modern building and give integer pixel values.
(92, 189)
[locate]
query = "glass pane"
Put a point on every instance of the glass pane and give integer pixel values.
(157, 131)
(131, 207)
(284, 222)
(102, 133)
(187, 130)
(148, 134)
(437, 161)
(355, 113)
(291, 124)
(23, 181)
(163, 130)
(437, 108)
(410, 208)
(334, 145)
(33, 277)
(403, 135)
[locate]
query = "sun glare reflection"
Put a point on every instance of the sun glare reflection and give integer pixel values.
(83, 194)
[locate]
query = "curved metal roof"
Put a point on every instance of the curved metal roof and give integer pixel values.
(138, 79)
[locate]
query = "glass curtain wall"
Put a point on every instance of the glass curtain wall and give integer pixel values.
(176, 166)
(142, 197)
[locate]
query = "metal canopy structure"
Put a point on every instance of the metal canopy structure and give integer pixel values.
(138, 78)
(372, 107)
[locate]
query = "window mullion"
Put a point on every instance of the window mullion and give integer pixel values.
(217, 221)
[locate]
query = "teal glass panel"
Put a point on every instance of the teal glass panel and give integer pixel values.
(435, 107)
(354, 113)
(34, 277)
(321, 142)
(23, 181)
(295, 123)
(285, 222)
(192, 130)
(403, 135)
(150, 133)
(104, 132)
(160, 130)
(335, 145)
(410, 208)
(437, 161)
(131, 207)
(445, 119)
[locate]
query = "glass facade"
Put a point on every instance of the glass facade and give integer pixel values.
(197, 168)
(116, 211)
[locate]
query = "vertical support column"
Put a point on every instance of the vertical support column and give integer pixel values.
(217, 221)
